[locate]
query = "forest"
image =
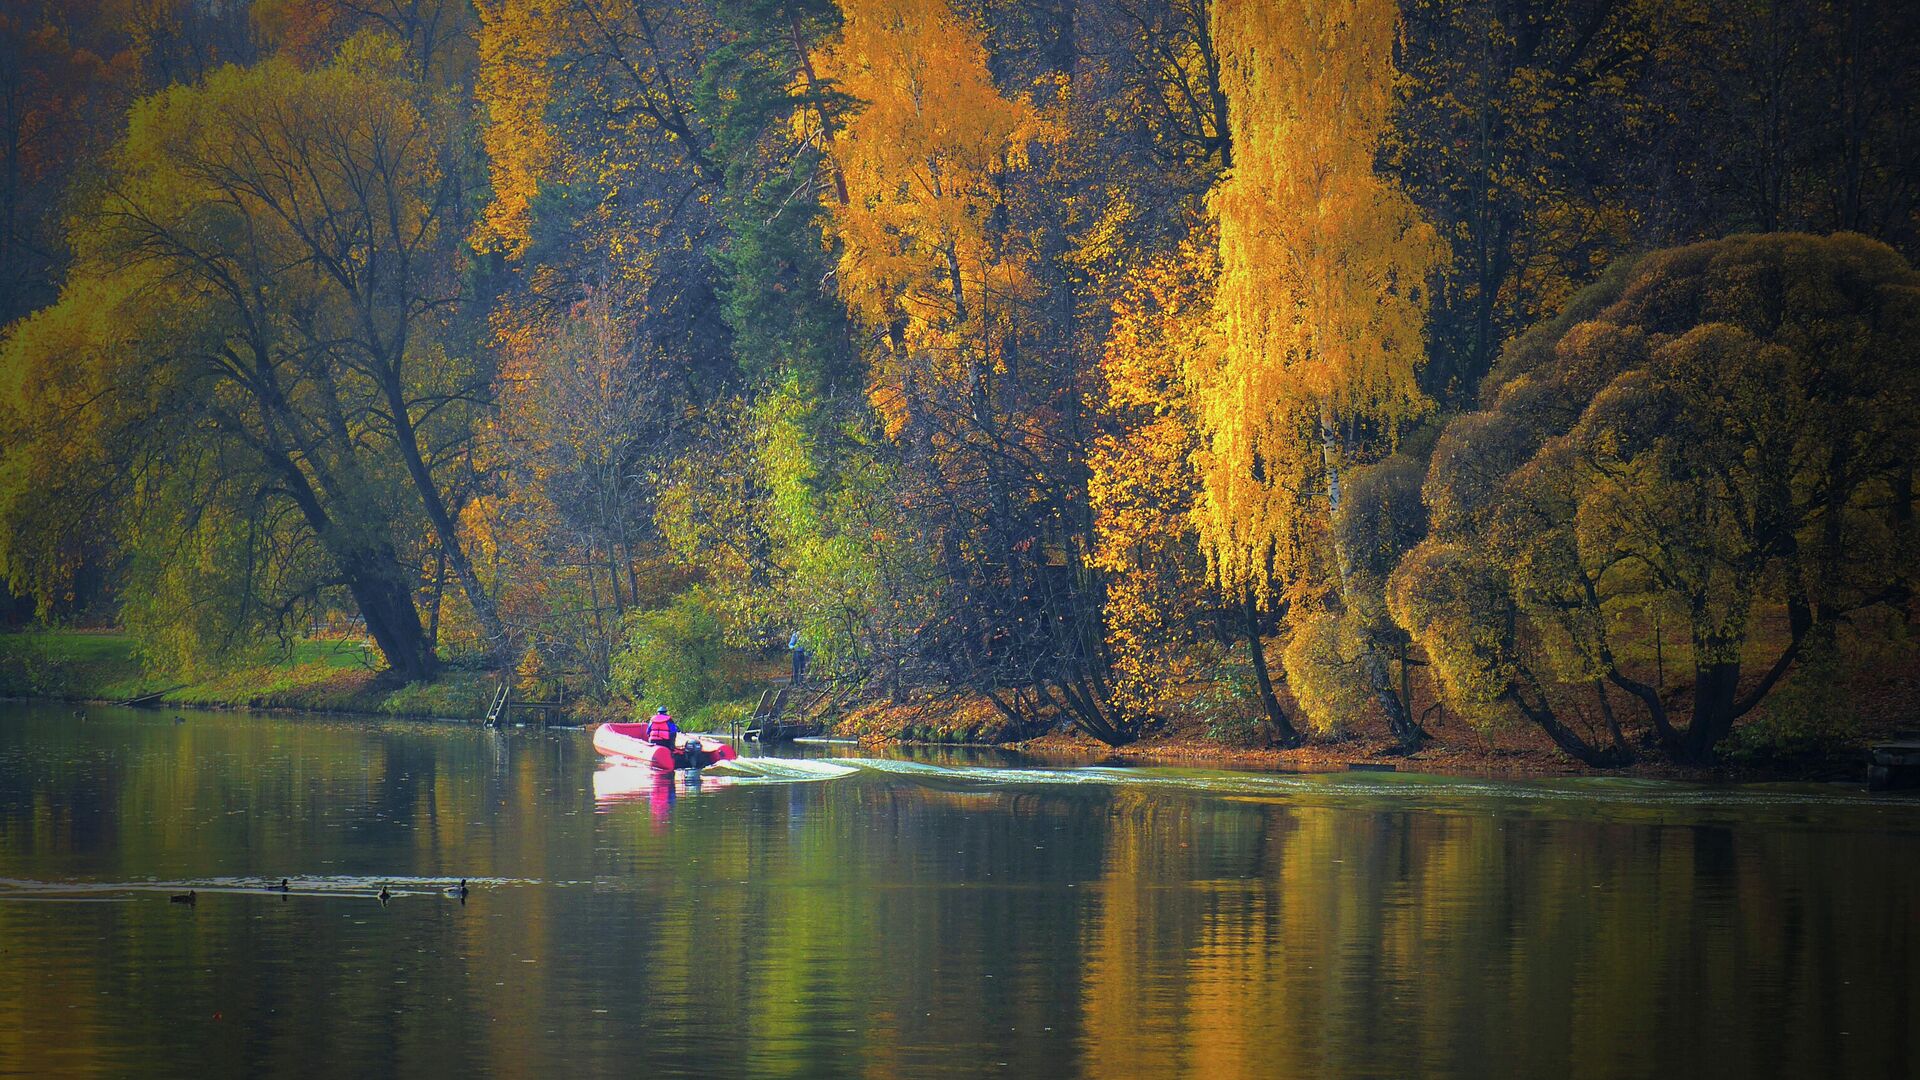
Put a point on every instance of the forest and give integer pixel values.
(1290, 372)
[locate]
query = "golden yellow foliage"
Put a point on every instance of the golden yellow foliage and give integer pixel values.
(517, 39)
(1321, 264)
(1140, 474)
(920, 160)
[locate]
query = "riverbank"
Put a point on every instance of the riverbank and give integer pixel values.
(335, 675)
(1761, 749)
(322, 675)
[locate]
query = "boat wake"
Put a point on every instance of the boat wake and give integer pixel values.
(1406, 790)
(1400, 791)
(770, 770)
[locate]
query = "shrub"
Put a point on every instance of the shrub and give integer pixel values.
(672, 656)
(717, 715)
(1230, 707)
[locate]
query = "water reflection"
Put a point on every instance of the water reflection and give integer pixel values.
(614, 784)
(843, 914)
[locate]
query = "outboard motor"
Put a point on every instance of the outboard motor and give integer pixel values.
(693, 749)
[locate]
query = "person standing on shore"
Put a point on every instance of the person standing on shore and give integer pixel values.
(799, 650)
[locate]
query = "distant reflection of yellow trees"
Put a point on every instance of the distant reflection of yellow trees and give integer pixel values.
(1535, 946)
(902, 925)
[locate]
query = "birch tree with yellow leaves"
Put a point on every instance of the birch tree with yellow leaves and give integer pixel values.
(1323, 263)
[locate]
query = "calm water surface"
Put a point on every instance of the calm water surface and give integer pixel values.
(915, 918)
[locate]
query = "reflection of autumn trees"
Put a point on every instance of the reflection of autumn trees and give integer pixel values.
(1333, 929)
(1341, 938)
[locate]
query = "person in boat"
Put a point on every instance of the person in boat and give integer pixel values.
(661, 730)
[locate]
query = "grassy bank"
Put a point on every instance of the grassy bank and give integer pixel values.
(320, 675)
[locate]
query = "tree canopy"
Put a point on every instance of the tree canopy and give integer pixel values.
(1717, 438)
(1302, 370)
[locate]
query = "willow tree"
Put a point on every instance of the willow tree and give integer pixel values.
(240, 375)
(1319, 306)
(1718, 439)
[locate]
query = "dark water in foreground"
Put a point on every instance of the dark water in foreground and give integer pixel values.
(893, 918)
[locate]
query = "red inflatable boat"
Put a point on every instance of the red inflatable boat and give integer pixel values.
(628, 742)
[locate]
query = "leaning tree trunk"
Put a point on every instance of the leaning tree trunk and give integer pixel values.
(442, 521)
(385, 600)
(371, 571)
(1284, 733)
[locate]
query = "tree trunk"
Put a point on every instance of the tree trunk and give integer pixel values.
(1568, 739)
(805, 58)
(1714, 685)
(613, 550)
(370, 567)
(386, 603)
(602, 651)
(442, 521)
(439, 591)
(1284, 733)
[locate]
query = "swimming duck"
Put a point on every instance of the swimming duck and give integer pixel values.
(459, 890)
(384, 894)
(282, 887)
(188, 897)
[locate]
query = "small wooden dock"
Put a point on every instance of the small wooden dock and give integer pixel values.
(1894, 764)
(771, 721)
(500, 713)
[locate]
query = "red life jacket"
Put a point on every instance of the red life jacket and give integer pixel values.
(661, 729)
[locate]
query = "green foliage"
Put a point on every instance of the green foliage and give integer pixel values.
(673, 656)
(1229, 705)
(1727, 433)
(452, 696)
(1809, 717)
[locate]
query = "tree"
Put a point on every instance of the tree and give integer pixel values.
(1142, 487)
(922, 159)
(269, 246)
(1322, 267)
(932, 265)
(1712, 437)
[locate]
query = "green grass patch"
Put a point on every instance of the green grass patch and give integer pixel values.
(321, 674)
(72, 663)
(455, 695)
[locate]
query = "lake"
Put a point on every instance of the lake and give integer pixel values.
(932, 914)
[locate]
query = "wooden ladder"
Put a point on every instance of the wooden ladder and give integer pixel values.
(766, 715)
(497, 712)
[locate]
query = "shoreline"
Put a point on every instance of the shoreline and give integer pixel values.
(1351, 754)
(1361, 755)
(232, 707)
